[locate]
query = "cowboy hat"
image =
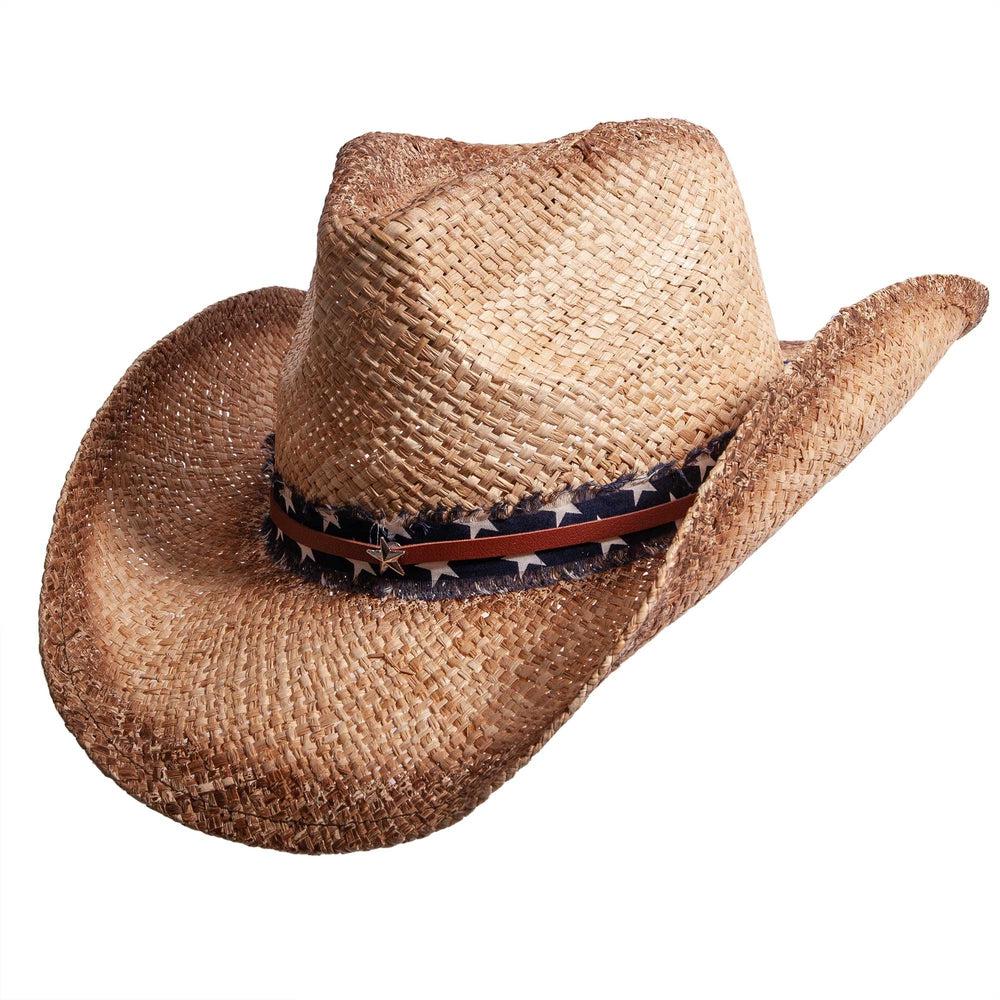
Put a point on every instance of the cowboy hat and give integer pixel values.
(329, 567)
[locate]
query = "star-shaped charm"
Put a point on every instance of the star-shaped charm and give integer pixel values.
(286, 496)
(637, 489)
(328, 517)
(396, 528)
(387, 556)
(437, 570)
(475, 524)
(523, 562)
(561, 508)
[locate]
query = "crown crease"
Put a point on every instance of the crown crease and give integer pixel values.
(487, 323)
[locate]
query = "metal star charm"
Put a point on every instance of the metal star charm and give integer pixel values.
(387, 556)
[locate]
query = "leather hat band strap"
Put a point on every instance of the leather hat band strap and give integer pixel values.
(395, 554)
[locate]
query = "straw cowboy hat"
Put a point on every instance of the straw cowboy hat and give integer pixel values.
(330, 566)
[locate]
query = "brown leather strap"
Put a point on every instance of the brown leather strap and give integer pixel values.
(492, 547)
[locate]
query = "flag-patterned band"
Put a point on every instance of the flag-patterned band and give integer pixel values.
(395, 556)
(445, 553)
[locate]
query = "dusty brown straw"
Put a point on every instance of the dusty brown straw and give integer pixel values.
(483, 321)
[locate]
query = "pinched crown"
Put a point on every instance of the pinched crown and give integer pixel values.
(486, 323)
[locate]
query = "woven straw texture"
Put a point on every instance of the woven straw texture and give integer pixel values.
(490, 322)
(244, 701)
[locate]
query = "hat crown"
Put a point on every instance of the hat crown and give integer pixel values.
(486, 323)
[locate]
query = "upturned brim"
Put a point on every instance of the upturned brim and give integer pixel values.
(240, 699)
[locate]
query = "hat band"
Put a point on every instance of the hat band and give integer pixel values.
(396, 555)
(459, 552)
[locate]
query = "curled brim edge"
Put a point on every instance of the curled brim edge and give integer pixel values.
(837, 392)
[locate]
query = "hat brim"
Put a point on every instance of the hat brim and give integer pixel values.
(239, 699)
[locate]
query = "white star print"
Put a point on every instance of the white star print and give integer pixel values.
(306, 552)
(637, 489)
(329, 517)
(395, 528)
(523, 562)
(475, 524)
(360, 566)
(437, 570)
(281, 534)
(704, 462)
(286, 496)
(561, 508)
(608, 542)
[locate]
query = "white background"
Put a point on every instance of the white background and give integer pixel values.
(793, 793)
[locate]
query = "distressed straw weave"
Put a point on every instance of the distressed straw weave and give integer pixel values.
(489, 322)
(484, 324)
